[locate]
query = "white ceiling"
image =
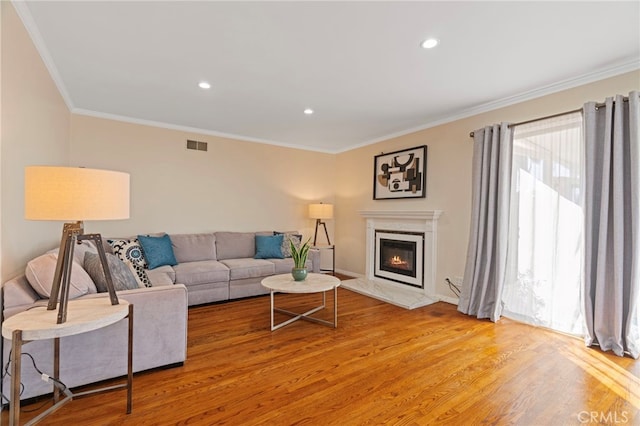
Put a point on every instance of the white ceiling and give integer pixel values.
(359, 65)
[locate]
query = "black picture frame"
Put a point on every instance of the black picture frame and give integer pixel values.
(400, 174)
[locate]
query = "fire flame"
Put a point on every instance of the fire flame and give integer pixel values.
(397, 260)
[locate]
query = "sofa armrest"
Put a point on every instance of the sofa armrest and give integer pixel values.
(159, 339)
(142, 294)
(160, 324)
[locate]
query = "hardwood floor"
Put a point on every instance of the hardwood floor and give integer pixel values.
(382, 365)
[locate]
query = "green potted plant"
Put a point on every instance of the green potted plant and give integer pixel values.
(299, 255)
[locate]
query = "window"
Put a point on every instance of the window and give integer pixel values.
(544, 260)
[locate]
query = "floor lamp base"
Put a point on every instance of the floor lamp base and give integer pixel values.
(315, 237)
(72, 233)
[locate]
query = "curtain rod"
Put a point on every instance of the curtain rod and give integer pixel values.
(625, 99)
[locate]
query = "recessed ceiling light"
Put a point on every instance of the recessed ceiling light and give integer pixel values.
(430, 43)
(204, 85)
(308, 111)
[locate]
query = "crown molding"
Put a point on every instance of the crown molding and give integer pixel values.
(622, 67)
(169, 126)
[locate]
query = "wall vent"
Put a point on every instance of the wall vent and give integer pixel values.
(196, 145)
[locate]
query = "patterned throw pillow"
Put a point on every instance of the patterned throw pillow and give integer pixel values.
(121, 274)
(131, 251)
(286, 248)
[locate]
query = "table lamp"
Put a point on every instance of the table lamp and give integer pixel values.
(74, 195)
(319, 212)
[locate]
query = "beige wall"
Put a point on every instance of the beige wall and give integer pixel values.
(35, 130)
(234, 186)
(450, 151)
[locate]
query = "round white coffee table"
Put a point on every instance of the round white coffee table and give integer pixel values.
(315, 283)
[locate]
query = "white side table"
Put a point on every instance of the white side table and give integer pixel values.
(331, 247)
(39, 323)
(315, 283)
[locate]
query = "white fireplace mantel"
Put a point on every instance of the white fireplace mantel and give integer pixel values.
(423, 221)
(402, 214)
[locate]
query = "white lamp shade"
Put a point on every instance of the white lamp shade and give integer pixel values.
(75, 194)
(321, 211)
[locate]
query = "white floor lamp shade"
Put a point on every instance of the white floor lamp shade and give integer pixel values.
(318, 212)
(74, 195)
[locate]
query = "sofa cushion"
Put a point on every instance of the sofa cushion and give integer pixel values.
(235, 245)
(162, 275)
(121, 275)
(131, 250)
(40, 272)
(158, 251)
(17, 291)
(204, 271)
(269, 247)
(194, 247)
(248, 268)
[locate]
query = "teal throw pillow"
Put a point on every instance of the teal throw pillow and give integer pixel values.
(158, 251)
(269, 247)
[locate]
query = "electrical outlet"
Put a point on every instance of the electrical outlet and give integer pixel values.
(457, 281)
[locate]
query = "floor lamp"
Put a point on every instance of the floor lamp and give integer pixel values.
(319, 212)
(75, 195)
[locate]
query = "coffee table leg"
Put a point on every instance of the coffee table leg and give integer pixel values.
(306, 315)
(272, 310)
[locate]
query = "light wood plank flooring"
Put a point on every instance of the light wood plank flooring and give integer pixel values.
(382, 365)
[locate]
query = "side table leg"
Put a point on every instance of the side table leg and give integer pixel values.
(56, 368)
(333, 265)
(130, 361)
(16, 352)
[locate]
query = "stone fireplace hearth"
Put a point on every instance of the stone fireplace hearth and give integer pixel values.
(393, 286)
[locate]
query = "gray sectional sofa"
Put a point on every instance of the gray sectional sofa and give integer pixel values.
(221, 266)
(209, 267)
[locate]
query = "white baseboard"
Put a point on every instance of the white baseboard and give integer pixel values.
(349, 273)
(448, 299)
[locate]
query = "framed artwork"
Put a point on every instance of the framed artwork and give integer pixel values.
(400, 174)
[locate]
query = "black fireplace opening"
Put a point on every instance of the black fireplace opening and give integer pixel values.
(398, 257)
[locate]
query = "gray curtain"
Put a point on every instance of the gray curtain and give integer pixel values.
(612, 224)
(487, 251)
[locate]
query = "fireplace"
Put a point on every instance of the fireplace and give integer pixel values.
(407, 277)
(399, 257)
